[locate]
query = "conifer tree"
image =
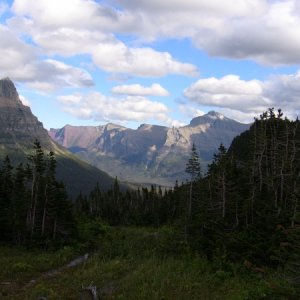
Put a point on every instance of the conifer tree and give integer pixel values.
(38, 167)
(6, 205)
(21, 202)
(193, 169)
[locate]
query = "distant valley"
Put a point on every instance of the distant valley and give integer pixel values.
(150, 154)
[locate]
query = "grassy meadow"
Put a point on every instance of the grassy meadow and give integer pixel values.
(132, 263)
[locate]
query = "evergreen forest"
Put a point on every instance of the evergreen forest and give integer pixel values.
(232, 232)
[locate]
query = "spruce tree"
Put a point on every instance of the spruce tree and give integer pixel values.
(193, 169)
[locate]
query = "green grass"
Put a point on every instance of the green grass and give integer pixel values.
(133, 263)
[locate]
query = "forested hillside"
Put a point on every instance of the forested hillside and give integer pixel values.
(241, 216)
(34, 206)
(245, 209)
(19, 128)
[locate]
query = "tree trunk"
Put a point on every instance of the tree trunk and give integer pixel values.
(223, 195)
(45, 210)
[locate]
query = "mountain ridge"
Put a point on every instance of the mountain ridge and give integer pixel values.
(19, 128)
(151, 153)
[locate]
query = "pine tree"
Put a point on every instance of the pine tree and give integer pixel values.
(6, 204)
(193, 169)
(21, 202)
(38, 167)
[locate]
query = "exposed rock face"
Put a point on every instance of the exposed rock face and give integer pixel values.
(8, 89)
(18, 126)
(149, 154)
(18, 130)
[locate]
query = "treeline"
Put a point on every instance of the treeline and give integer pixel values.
(245, 209)
(142, 207)
(34, 206)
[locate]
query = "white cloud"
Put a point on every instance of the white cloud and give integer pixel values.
(112, 55)
(261, 30)
(57, 13)
(229, 91)
(232, 7)
(243, 100)
(88, 28)
(271, 38)
(21, 62)
(49, 75)
(190, 111)
(66, 41)
(137, 89)
(146, 62)
(99, 107)
(13, 51)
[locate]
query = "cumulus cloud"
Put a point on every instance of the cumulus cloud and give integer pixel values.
(13, 51)
(261, 30)
(229, 91)
(271, 38)
(232, 7)
(243, 99)
(56, 13)
(264, 31)
(145, 62)
(65, 41)
(21, 62)
(137, 89)
(99, 107)
(49, 75)
(88, 29)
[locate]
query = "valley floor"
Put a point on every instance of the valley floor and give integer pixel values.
(131, 263)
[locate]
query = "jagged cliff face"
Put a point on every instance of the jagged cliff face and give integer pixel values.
(18, 130)
(149, 154)
(19, 127)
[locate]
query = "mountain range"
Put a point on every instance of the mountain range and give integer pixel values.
(19, 128)
(150, 154)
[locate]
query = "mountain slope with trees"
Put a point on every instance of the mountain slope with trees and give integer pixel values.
(19, 128)
(241, 218)
(244, 210)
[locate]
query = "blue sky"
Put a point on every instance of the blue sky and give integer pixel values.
(87, 62)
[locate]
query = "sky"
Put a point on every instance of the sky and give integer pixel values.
(88, 62)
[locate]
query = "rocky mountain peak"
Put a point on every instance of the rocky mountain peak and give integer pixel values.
(208, 118)
(17, 122)
(112, 126)
(8, 89)
(215, 115)
(19, 128)
(144, 127)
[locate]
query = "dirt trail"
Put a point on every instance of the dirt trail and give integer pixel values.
(52, 273)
